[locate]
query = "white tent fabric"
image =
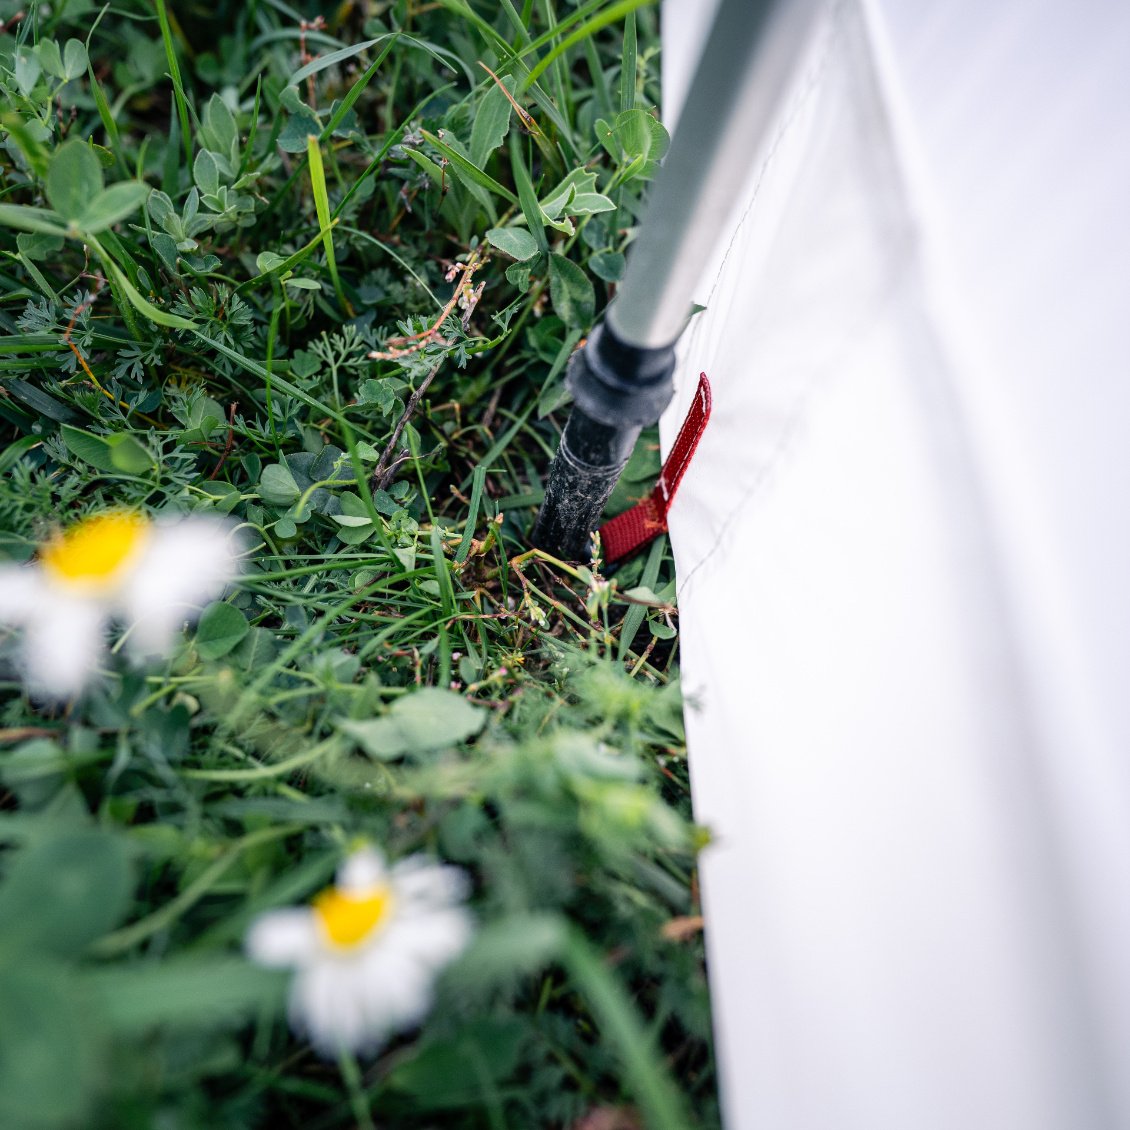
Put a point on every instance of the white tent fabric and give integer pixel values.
(903, 552)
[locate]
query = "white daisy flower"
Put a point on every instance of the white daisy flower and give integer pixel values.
(116, 565)
(368, 950)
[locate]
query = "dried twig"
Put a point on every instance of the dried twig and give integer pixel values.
(413, 400)
(683, 928)
(227, 446)
(463, 296)
(525, 118)
(492, 407)
(393, 468)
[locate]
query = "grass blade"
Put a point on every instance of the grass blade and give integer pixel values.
(324, 61)
(608, 16)
(322, 203)
(636, 612)
(443, 576)
(660, 1103)
(628, 65)
(174, 72)
(356, 90)
(254, 130)
(172, 155)
(529, 201)
(599, 79)
(390, 141)
(478, 479)
(470, 171)
(104, 111)
(143, 305)
(516, 20)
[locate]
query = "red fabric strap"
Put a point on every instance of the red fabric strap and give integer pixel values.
(648, 518)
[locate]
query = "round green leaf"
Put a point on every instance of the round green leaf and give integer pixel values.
(206, 172)
(225, 495)
(128, 454)
(361, 578)
(277, 485)
(94, 449)
(378, 737)
(51, 58)
(432, 718)
(28, 69)
(63, 893)
(449, 1073)
(355, 535)
(519, 275)
(38, 245)
(301, 126)
(166, 247)
(221, 627)
(516, 242)
(203, 407)
(257, 649)
(74, 59)
(74, 179)
(573, 298)
(607, 265)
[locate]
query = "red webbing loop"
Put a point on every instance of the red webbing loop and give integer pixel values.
(648, 518)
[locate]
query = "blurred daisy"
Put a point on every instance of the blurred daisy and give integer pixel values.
(116, 565)
(368, 950)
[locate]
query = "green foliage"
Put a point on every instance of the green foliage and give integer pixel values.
(573, 297)
(516, 242)
(324, 280)
(221, 627)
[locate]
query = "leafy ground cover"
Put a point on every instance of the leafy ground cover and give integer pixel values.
(320, 272)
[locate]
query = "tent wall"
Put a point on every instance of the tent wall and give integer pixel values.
(901, 553)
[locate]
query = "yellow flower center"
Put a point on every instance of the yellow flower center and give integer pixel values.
(95, 553)
(348, 919)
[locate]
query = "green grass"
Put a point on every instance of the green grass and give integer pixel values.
(307, 317)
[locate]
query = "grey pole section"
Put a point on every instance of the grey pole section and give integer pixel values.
(621, 379)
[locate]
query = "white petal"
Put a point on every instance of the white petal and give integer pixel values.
(432, 939)
(398, 998)
(401, 967)
(424, 885)
(21, 592)
(63, 642)
(326, 1004)
(362, 871)
(283, 937)
(184, 566)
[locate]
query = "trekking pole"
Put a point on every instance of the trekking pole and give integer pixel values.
(621, 379)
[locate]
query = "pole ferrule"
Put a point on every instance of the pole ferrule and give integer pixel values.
(619, 384)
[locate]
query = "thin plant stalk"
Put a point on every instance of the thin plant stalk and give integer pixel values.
(279, 297)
